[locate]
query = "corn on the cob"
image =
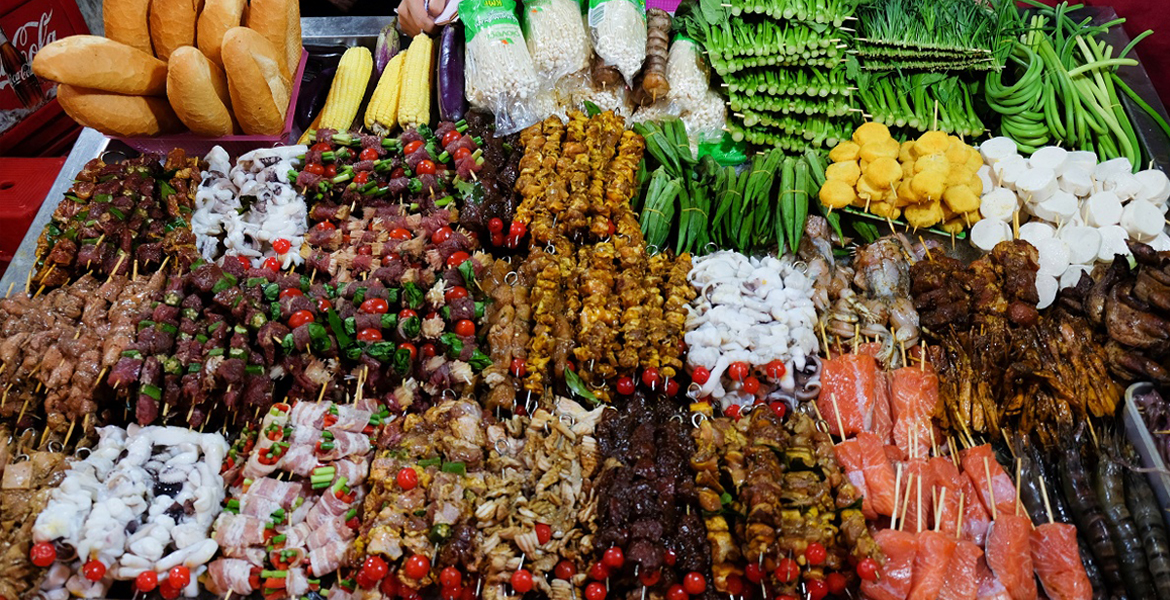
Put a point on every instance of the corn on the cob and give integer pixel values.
(414, 105)
(382, 112)
(348, 89)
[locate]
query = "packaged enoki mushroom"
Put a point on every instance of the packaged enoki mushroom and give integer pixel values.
(499, 73)
(555, 33)
(618, 31)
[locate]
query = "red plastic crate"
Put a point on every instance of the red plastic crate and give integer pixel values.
(24, 183)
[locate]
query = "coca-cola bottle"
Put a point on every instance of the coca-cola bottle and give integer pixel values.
(24, 83)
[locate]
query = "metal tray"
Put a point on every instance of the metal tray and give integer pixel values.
(1139, 435)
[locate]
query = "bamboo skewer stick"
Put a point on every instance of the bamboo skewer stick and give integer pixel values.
(990, 489)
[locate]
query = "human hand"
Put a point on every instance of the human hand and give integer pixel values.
(415, 17)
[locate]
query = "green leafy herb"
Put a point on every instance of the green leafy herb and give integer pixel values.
(578, 387)
(413, 295)
(338, 327)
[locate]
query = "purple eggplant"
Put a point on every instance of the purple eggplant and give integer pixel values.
(386, 47)
(449, 74)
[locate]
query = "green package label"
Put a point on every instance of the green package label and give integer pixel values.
(594, 5)
(498, 17)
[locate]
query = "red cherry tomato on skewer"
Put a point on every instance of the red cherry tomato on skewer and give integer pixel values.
(751, 385)
(290, 292)
(461, 153)
(281, 246)
(425, 167)
(737, 371)
(836, 583)
(93, 570)
(522, 581)
(271, 263)
(146, 581)
(374, 306)
(651, 378)
(407, 478)
(412, 146)
(700, 375)
(369, 334)
(325, 226)
(595, 591)
(817, 589)
(868, 569)
(457, 258)
(495, 225)
(788, 571)
(775, 370)
(465, 328)
(565, 570)
(368, 154)
(613, 558)
(417, 566)
(815, 554)
(323, 304)
(625, 386)
(442, 234)
(694, 583)
(42, 554)
(543, 533)
(300, 318)
(179, 576)
(315, 168)
(450, 577)
(676, 592)
(331, 170)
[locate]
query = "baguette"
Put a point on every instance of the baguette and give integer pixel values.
(279, 21)
(96, 62)
(118, 115)
(172, 24)
(127, 21)
(217, 17)
(257, 81)
(198, 91)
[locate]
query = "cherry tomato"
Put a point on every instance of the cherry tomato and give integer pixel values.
(543, 533)
(411, 147)
(751, 385)
(405, 314)
(599, 571)
(375, 568)
(93, 570)
(271, 263)
(497, 239)
(409, 347)
(325, 226)
(495, 225)
(290, 292)
(450, 577)
(321, 147)
(429, 350)
(868, 569)
(457, 258)
(461, 153)
(837, 583)
(363, 581)
(671, 387)
(42, 554)
(146, 581)
(408, 593)
(398, 173)
(400, 234)
(168, 591)
(389, 586)
(775, 370)
(788, 571)
(374, 306)
(315, 168)
(300, 318)
(694, 583)
(441, 235)
(331, 170)
(425, 167)
(369, 334)
(247, 264)
(738, 371)
(362, 177)
(700, 375)
(451, 137)
(368, 154)
(517, 229)
(817, 589)
(467, 593)
(754, 572)
(670, 556)
(650, 578)
(519, 367)
(676, 592)
(179, 576)
(651, 378)
(451, 593)
(282, 246)
(366, 250)
(407, 478)
(735, 585)
(417, 566)
(815, 553)
(779, 408)
(522, 581)
(323, 304)
(565, 570)
(595, 591)
(465, 328)
(455, 293)
(613, 558)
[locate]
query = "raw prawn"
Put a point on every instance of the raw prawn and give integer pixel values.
(1151, 529)
(1088, 516)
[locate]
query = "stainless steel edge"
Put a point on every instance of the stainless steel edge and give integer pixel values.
(89, 145)
(342, 31)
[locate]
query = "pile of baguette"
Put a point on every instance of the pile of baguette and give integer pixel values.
(215, 67)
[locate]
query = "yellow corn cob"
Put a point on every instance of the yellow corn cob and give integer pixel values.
(349, 86)
(382, 112)
(414, 104)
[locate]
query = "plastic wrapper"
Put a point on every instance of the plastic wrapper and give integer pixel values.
(576, 89)
(687, 72)
(555, 33)
(499, 73)
(618, 31)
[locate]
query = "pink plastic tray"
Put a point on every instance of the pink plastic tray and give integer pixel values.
(235, 145)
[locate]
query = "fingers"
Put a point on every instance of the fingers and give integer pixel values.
(436, 7)
(414, 19)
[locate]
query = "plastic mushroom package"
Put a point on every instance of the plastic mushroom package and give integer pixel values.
(500, 76)
(1073, 209)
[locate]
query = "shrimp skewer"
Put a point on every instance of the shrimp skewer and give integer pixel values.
(1090, 519)
(1150, 528)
